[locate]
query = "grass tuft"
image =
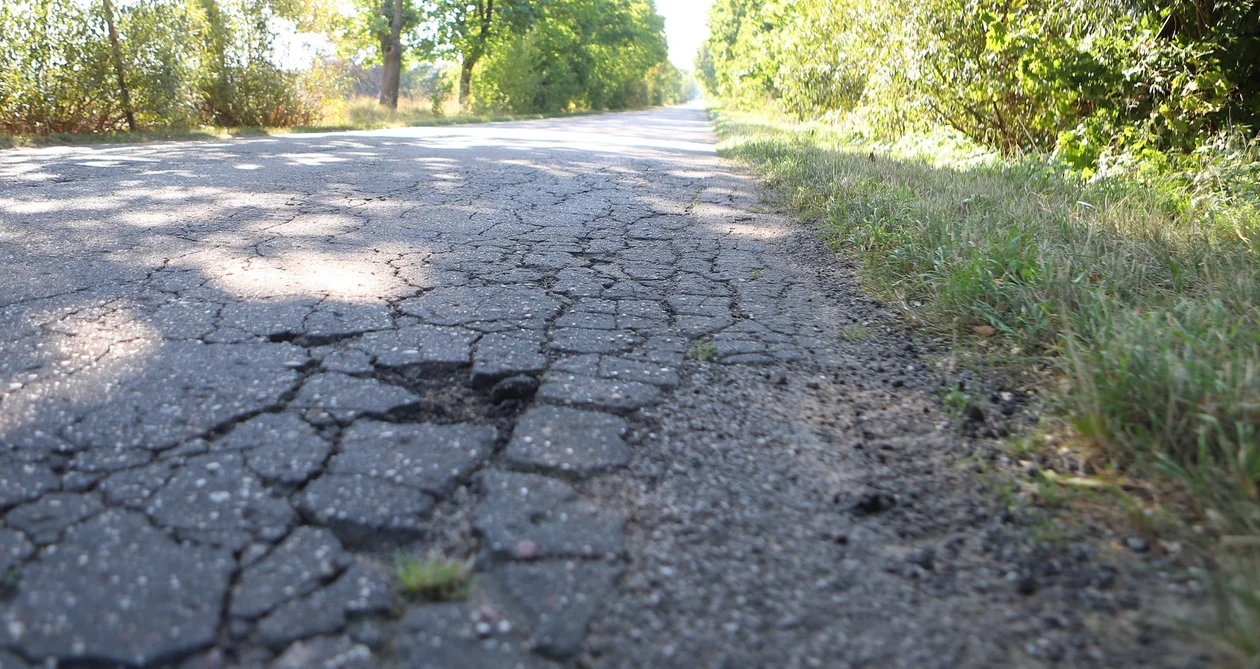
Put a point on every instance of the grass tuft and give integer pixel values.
(433, 577)
(702, 350)
(856, 333)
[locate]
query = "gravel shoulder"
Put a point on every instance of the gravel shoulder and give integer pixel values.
(826, 513)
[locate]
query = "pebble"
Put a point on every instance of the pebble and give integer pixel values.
(526, 550)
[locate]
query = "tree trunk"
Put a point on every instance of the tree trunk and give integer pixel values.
(486, 19)
(465, 79)
(118, 66)
(391, 55)
(391, 73)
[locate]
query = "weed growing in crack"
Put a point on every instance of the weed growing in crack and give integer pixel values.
(856, 333)
(756, 273)
(433, 577)
(956, 402)
(702, 351)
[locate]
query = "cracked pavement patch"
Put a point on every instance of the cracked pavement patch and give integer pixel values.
(237, 377)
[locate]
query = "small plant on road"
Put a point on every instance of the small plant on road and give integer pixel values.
(956, 402)
(702, 350)
(756, 273)
(856, 333)
(432, 577)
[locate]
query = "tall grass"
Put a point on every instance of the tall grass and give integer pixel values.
(368, 113)
(1141, 286)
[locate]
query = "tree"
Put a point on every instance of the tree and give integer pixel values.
(391, 56)
(130, 113)
(580, 54)
(467, 28)
(385, 26)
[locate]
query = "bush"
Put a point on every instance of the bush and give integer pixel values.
(55, 71)
(186, 64)
(1080, 79)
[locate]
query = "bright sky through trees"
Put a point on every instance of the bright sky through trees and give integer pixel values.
(685, 22)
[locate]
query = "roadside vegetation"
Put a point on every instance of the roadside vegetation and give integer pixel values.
(432, 577)
(172, 68)
(1073, 193)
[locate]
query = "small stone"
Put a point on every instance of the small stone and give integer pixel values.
(526, 550)
(1137, 544)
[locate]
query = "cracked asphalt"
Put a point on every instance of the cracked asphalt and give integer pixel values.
(237, 377)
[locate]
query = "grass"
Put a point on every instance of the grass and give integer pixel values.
(702, 350)
(1133, 298)
(956, 402)
(432, 577)
(356, 114)
(856, 333)
(167, 135)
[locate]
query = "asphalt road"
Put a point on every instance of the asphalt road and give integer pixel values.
(237, 377)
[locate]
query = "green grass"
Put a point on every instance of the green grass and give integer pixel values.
(432, 577)
(1138, 290)
(1144, 294)
(856, 333)
(702, 350)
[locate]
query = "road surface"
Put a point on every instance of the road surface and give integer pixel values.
(238, 377)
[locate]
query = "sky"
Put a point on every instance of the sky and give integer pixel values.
(686, 28)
